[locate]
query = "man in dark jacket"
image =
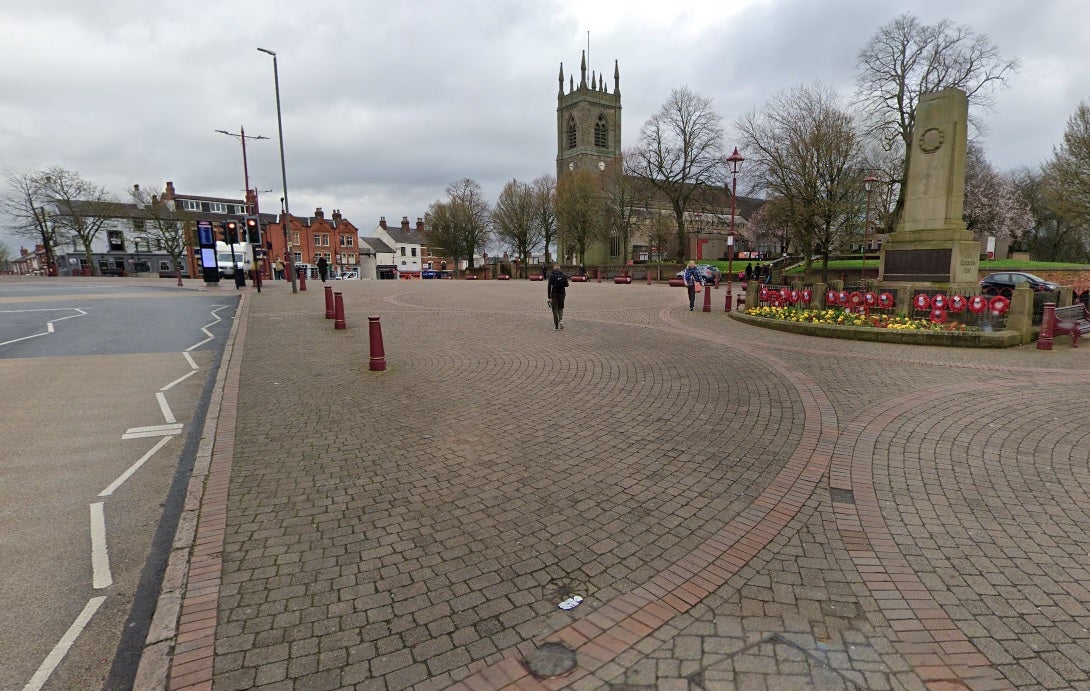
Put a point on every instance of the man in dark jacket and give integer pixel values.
(557, 286)
(323, 268)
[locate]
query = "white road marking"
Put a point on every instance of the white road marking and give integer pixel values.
(134, 467)
(204, 328)
(166, 431)
(165, 407)
(190, 360)
(48, 324)
(100, 556)
(24, 338)
(63, 645)
(179, 380)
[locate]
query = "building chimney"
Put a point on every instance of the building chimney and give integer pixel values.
(170, 190)
(382, 222)
(419, 225)
(336, 214)
(404, 222)
(318, 213)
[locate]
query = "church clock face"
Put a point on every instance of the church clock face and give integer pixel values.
(601, 165)
(571, 166)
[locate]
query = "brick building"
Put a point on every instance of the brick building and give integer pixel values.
(311, 237)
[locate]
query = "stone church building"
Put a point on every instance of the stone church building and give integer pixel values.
(588, 137)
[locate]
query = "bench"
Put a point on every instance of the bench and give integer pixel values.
(1072, 321)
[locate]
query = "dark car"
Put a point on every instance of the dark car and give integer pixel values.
(1004, 283)
(706, 272)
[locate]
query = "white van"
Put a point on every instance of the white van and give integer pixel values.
(243, 258)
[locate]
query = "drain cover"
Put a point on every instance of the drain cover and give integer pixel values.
(551, 660)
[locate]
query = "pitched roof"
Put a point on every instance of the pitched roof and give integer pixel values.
(377, 245)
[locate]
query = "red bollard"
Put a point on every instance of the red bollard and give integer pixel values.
(1048, 320)
(707, 299)
(302, 280)
(717, 281)
(599, 275)
(378, 356)
(330, 311)
(649, 277)
(338, 311)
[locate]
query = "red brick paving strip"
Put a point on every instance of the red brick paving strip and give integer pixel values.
(922, 632)
(618, 625)
(183, 630)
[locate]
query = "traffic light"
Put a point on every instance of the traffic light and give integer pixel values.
(253, 230)
(230, 232)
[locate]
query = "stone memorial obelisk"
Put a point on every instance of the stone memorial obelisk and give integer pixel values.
(931, 244)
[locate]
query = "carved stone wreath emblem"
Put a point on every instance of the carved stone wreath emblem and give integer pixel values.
(931, 140)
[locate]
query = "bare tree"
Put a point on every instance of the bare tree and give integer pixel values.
(544, 190)
(806, 152)
(681, 148)
(459, 226)
(905, 59)
(622, 199)
(578, 208)
(514, 220)
(471, 215)
(442, 233)
(26, 207)
(82, 209)
(993, 204)
(164, 224)
(1059, 196)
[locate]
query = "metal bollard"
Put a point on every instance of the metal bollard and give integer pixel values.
(1048, 320)
(330, 311)
(599, 275)
(648, 276)
(707, 299)
(378, 356)
(302, 280)
(338, 312)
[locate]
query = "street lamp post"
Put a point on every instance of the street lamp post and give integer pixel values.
(734, 161)
(868, 185)
(284, 221)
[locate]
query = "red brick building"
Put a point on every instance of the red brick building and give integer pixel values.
(335, 238)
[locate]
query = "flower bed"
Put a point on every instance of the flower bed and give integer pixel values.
(846, 317)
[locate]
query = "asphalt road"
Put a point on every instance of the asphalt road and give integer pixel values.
(104, 382)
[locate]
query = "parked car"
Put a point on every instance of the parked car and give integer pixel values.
(1004, 283)
(706, 272)
(348, 276)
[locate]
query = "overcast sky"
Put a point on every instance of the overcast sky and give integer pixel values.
(385, 103)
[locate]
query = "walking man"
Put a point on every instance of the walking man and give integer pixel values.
(323, 268)
(557, 287)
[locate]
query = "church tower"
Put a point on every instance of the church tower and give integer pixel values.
(588, 122)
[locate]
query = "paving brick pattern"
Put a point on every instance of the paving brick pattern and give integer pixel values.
(740, 508)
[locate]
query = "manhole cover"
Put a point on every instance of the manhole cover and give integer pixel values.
(551, 660)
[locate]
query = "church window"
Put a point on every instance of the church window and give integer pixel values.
(571, 132)
(601, 130)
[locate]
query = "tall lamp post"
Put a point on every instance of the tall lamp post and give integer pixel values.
(734, 161)
(285, 219)
(868, 185)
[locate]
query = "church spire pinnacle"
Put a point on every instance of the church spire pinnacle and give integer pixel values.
(583, 72)
(561, 80)
(616, 78)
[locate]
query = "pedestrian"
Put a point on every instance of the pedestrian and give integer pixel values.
(557, 287)
(582, 270)
(691, 276)
(278, 269)
(323, 268)
(749, 271)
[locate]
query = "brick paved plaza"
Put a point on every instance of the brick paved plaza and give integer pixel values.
(740, 508)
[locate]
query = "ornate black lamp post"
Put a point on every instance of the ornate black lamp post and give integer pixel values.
(734, 161)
